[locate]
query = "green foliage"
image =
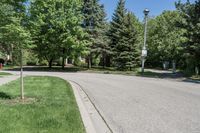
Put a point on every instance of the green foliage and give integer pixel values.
(95, 25)
(56, 28)
(13, 35)
(165, 38)
(190, 13)
(77, 28)
(123, 34)
(117, 23)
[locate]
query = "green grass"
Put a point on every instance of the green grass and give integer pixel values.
(111, 70)
(196, 77)
(4, 74)
(54, 111)
(7, 67)
(149, 74)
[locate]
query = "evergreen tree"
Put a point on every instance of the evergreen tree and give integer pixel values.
(191, 23)
(126, 52)
(116, 29)
(131, 53)
(123, 34)
(94, 25)
(101, 45)
(117, 23)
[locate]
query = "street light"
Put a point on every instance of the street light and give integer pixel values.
(144, 49)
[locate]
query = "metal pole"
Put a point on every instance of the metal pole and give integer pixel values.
(143, 61)
(145, 40)
(21, 76)
(145, 32)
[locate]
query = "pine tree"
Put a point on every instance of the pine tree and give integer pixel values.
(126, 54)
(101, 45)
(123, 36)
(131, 53)
(117, 23)
(94, 25)
(116, 29)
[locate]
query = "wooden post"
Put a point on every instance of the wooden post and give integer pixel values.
(21, 76)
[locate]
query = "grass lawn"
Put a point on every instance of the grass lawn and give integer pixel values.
(50, 107)
(4, 74)
(7, 67)
(111, 70)
(196, 77)
(149, 74)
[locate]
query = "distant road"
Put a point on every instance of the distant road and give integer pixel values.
(132, 104)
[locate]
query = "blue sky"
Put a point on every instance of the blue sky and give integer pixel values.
(156, 7)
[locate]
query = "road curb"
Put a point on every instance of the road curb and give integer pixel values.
(92, 120)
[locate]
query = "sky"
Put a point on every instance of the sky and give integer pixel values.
(156, 7)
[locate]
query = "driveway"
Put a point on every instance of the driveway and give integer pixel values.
(132, 104)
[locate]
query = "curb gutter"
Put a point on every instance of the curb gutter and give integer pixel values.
(92, 120)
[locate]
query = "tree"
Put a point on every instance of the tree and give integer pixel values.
(123, 35)
(131, 54)
(94, 21)
(191, 23)
(57, 29)
(126, 54)
(10, 11)
(14, 33)
(6, 12)
(101, 41)
(116, 27)
(42, 30)
(165, 38)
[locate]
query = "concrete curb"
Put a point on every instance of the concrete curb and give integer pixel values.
(92, 120)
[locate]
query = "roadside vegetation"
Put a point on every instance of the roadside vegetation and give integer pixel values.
(49, 106)
(49, 32)
(4, 74)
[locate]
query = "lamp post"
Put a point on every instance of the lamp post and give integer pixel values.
(144, 49)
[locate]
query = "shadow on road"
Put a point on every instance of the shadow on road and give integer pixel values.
(168, 75)
(189, 80)
(160, 75)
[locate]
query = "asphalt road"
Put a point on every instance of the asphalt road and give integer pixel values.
(141, 105)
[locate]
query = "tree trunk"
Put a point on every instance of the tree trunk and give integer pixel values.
(63, 59)
(89, 62)
(50, 63)
(21, 76)
(104, 61)
(11, 55)
(108, 61)
(63, 63)
(196, 70)
(174, 66)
